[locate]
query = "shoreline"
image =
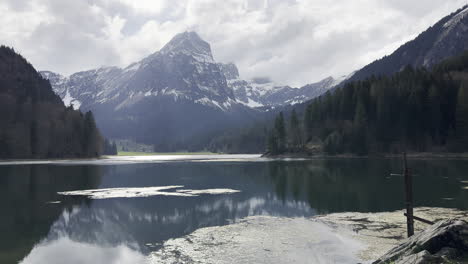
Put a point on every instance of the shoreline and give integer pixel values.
(113, 159)
(415, 155)
(104, 157)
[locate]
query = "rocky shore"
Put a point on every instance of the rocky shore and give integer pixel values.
(383, 233)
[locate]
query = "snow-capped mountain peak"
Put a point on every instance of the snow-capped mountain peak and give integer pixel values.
(258, 92)
(191, 44)
(182, 71)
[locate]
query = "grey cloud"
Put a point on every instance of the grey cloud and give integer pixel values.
(291, 41)
(61, 47)
(414, 8)
(18, 5)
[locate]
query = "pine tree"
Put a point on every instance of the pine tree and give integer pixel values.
(333, 144)
(114, 149)
(308, 122)
(272, 144)
(295, 130)
(360, 130)
(435, 115)
(280, 131)
(92, 137)
(34, 138)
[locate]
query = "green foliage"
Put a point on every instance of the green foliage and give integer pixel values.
(280, 132)
(109, 148)
(359, 143)
(333, 144)
(272, 145)
(414, 109)
(295, 132)
(250, 139)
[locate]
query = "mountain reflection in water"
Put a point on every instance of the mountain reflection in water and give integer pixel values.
(34, 228)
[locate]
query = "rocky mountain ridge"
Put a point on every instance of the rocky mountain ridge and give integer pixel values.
(183, 69)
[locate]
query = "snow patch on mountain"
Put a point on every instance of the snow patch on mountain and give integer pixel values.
(68, 100)
(184, 69)
(132, 67)
(251, 103)
(456, 19)
(224, 106)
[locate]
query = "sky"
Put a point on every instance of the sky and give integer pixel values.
(293, 42)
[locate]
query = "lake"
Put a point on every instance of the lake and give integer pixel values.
(124, 208)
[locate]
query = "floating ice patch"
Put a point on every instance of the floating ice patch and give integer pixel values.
(208, 191)
(53, 202)
(134, 192)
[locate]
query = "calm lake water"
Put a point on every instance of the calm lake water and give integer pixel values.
(38, 223)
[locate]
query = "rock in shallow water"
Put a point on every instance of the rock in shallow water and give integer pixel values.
(443, 242)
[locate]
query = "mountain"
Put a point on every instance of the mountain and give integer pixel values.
(447, 38)
(260, 92)
(387, 106)
(34, 121)
(183, 69)
(173, 96)
(179, 97)
(414, 110)
(307, 92)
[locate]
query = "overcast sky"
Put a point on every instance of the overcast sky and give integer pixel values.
(291, 41)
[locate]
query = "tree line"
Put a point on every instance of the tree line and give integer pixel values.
(34, 123)
(110, 148)
(416, 110)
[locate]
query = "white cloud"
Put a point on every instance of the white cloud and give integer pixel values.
(293, 42)
(146, 6)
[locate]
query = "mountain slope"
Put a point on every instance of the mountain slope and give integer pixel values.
(414, 110)
(34, 121)
(172, 96)
(183, 69)
(260, 92)
(448, 37)
(179, 98)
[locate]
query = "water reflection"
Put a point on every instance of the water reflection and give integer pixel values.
(57, 251)
(363, 185)
(25, 195)
(135, 226)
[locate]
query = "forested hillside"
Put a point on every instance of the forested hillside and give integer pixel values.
(34, 123)
(415, 110)
(447, 38)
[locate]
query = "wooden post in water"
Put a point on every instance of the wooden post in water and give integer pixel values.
(409, 197)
